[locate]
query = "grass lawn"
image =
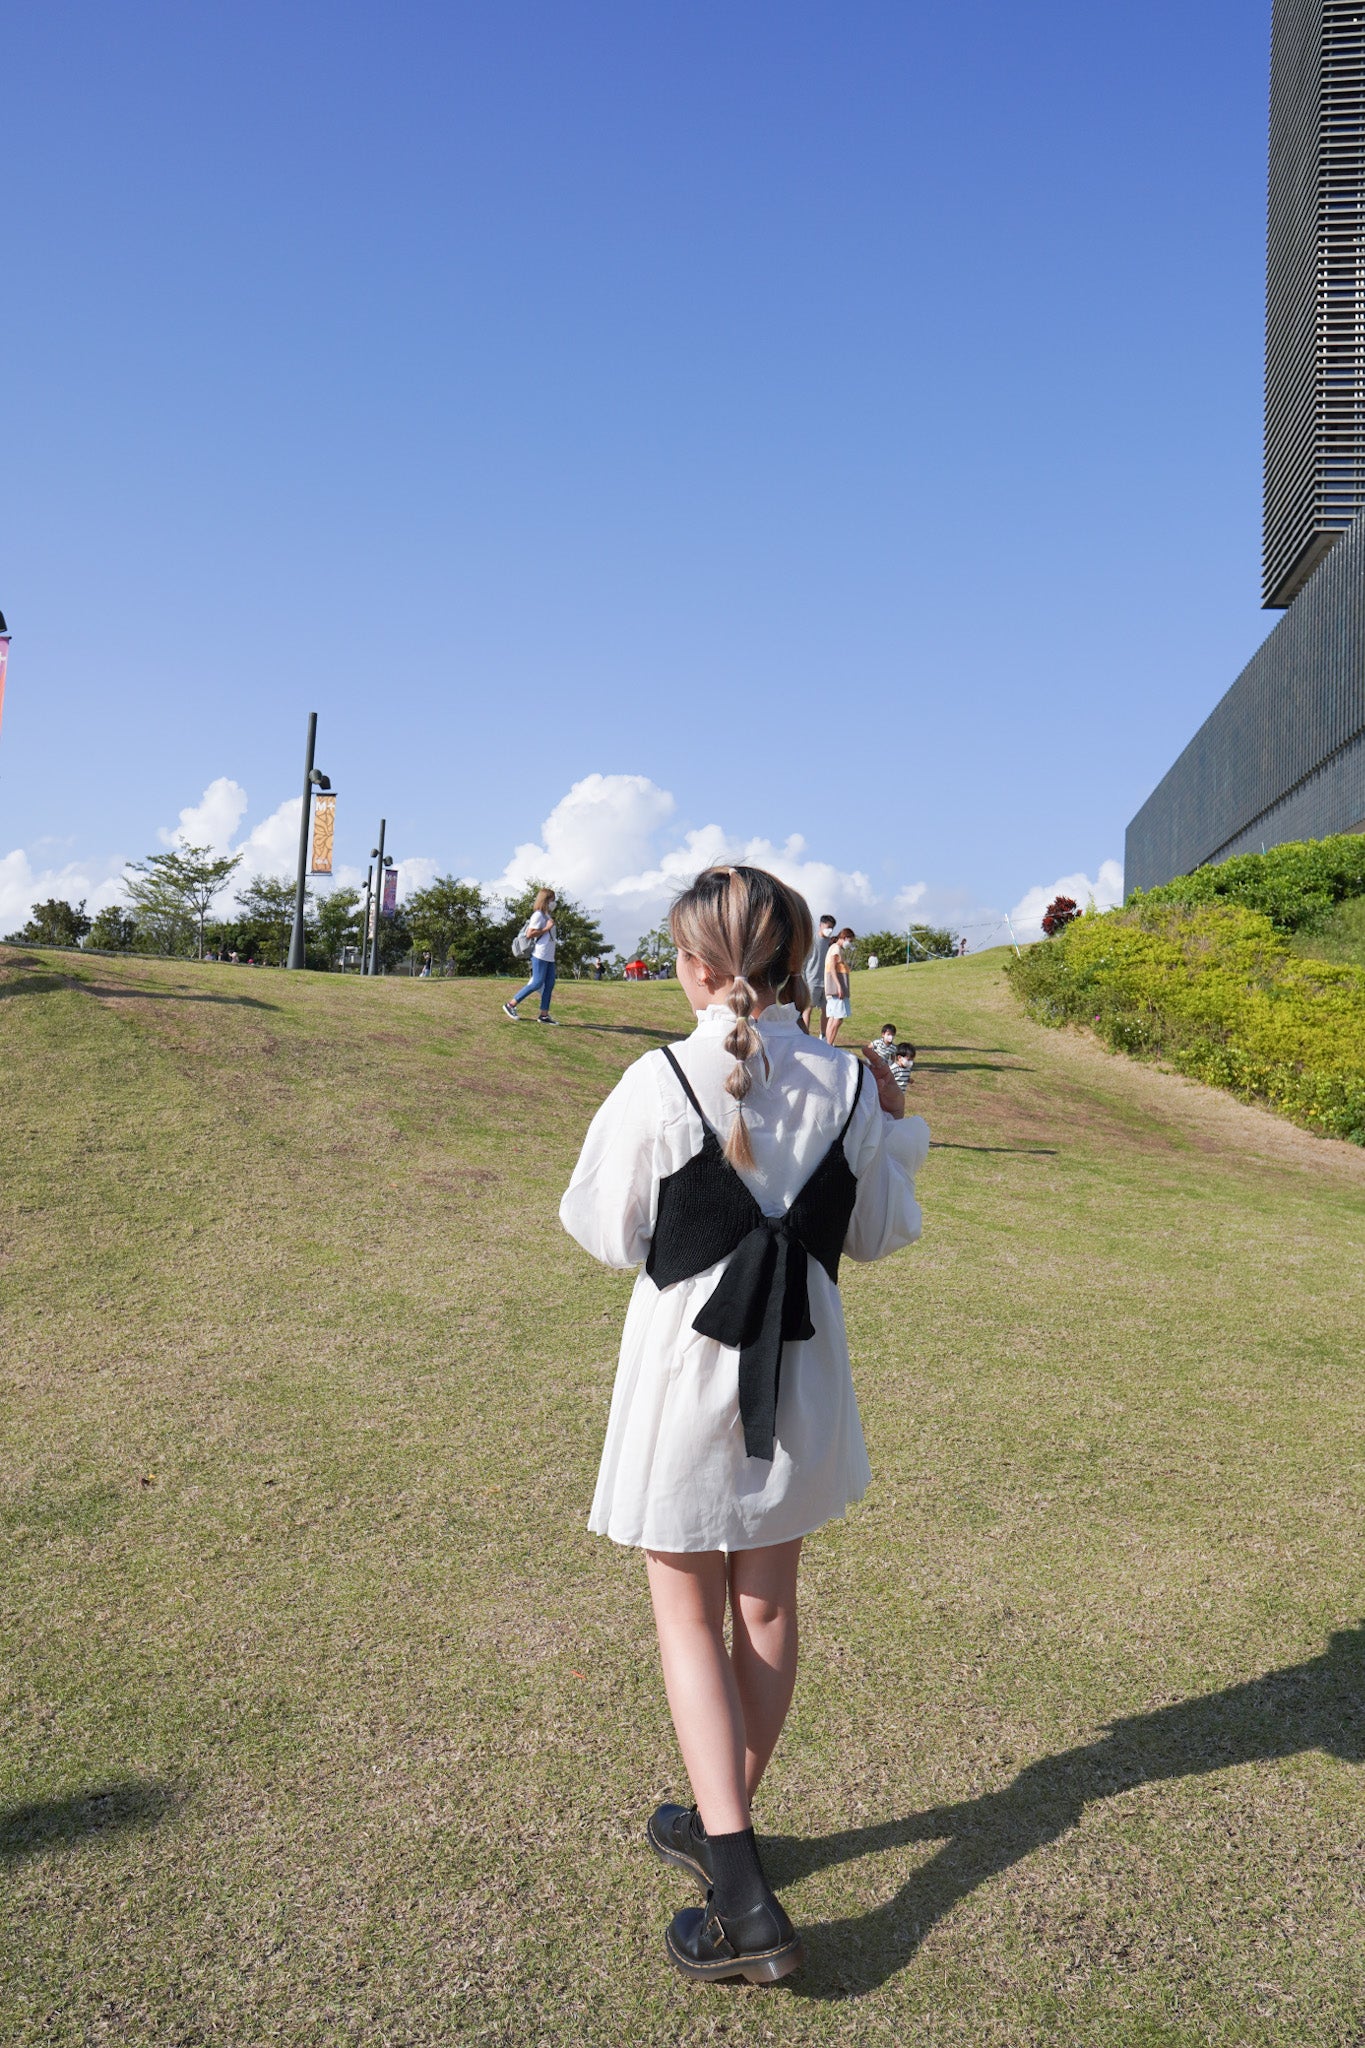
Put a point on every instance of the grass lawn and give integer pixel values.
(324, 1720)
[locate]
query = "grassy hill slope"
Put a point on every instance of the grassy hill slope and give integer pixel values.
(325, 1721)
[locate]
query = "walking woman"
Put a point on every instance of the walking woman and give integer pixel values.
(541, 926)
(837, 1004)
(736, 1167)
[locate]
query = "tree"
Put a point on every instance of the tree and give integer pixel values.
(172, 893)
(338, 922)
(113, 931)
(267, 911)
(1059, 914)
(920, 942)
(657, 948)
(577, 936)
(932, 942)
(53, 923)
(450, 919)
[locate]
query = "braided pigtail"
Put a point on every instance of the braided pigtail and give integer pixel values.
(741, 1043)
(753, 933)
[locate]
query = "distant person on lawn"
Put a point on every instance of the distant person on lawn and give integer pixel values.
(541, 925)
(837, 1005)
(815, 976)
(736, 1168)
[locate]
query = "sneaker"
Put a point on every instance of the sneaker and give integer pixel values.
(510, 1010)
(547, 1020)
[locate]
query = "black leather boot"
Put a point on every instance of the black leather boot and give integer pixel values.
(676, 1836)
(759, 1946)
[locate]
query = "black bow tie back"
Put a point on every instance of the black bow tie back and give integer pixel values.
(762, 1299)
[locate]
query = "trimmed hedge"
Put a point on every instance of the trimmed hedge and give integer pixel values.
(1214, 989)
(1294, 885)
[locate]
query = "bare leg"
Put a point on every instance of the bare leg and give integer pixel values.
(688, 1590)
(832, 1030)
(763, 1651)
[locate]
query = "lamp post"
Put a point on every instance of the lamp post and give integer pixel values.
(365, 920)
(381, 861)
(4, 660)
(312, 780)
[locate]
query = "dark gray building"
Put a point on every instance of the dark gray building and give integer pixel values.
(1283, 755)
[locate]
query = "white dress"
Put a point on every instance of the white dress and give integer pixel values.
(674, 1473)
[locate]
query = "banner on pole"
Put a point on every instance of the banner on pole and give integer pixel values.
(4, 664)
(390, 891)
(324, 831)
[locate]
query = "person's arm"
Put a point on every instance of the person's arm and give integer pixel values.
(888, 1087)
(609, 1204)
(885, 1151)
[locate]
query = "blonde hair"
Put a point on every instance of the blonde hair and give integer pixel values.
(751, 929)
(544, 897)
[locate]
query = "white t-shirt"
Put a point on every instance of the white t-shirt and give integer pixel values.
(542, 922)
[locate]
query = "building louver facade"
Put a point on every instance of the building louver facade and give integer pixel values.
(1282, 756)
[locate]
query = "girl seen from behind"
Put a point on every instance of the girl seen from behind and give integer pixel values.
(736, 1168)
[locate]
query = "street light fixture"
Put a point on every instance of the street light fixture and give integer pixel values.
(313, 782)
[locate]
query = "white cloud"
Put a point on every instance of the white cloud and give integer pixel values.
(214, 819)
(610, 842)
(1106, 890)
(603, 828)
(22, 885)
(606, 844)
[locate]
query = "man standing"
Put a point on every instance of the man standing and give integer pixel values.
(815, 975)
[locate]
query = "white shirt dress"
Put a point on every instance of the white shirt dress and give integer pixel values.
(675, 1475)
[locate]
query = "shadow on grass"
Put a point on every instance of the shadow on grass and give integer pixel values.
(1005, 1050)
(44, 982)
(628, 1031)
(58, 1823)
(40, 984)
(971, 1066)
(1316, 1705)
(1026, 1151)
(170, 995)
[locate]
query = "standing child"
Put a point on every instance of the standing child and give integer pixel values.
(886, 1044)
(903, 1065)
(737, 1167)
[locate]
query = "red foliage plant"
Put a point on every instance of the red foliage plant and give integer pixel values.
(1059, 915)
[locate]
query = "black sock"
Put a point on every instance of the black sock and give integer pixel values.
(737, 1880)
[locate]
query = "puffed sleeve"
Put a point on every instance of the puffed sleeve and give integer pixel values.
(885, 1153)
(610, 1203)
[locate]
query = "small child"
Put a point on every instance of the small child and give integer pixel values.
(902, 1065)
(886, 1044)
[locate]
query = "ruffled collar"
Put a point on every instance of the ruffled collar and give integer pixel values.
(717, 1018)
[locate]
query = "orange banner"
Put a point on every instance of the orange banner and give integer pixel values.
(324, 830)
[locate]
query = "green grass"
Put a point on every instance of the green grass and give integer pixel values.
(1340, 936)
(322, 1719)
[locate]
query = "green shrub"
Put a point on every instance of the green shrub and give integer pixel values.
(1294, 885)
(1216, 990)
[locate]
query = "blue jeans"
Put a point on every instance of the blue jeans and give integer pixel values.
(542, 978)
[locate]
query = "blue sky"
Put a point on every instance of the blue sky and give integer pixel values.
(845, 421)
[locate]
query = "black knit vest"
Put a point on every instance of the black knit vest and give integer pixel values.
(762, 1299)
